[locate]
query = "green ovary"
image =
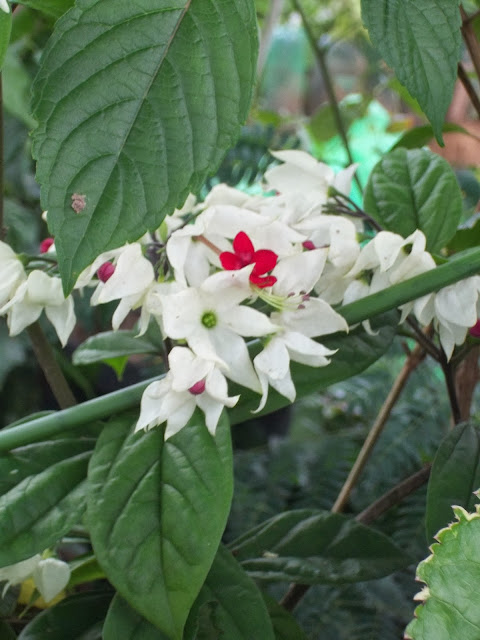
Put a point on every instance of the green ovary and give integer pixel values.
(209, 319)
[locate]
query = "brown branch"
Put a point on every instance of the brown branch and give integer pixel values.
(410, 365)
(469, 88)
(470, 40)
(50, 367)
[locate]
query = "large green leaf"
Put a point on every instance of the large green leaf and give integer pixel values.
(450, 608)
(312, 547)
(79, 617)
(157, 511)
(233, 602)
(415, 189)
(6, 631)
(455, 475)
(34, 459)
(48, 497)
(124, 623)
(356, 351)
(421, 40)
(421, 136)
(137, 102)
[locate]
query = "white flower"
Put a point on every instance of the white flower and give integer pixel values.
(190, 382)
(39, 292)
(302, 319)
(306, 180)
(49, 575)
(4, 6)
(453, 311)
(212, 321)
(12, 273)
(130, 281)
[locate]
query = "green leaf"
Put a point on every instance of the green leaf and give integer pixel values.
(16, 86)
(455, 475)
(466, 238)
(55, 8)
(452, 575)
(415, 189)
(284, 624)
(111, 344)
(156, 513)
(356, 351)
(48, 497)
(79, 617)
(421, 40)
(136, 135)
(317, 547)
(421, 136)
(6, 631)
(5, 30)
(34, 459)
(236, 604)
(85, 569)
(124, 623)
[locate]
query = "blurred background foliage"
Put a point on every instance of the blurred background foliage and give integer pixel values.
(298, 457)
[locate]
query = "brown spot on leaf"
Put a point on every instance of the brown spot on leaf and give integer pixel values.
(78, 202)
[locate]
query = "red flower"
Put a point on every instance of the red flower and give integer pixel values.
(263, 260)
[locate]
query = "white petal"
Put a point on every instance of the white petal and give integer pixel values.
(212, 410)
(186, 368)
(305, 350)
(178, 419)
(232, 350)
(44, 290)
(458, 303)
(316, 319)
(274, 360)
(50, 577)
(20, 571)
(133, 274)
(63, 319)
(247, 322)
(182, 313)
(21, 316)
(299, 272)
(216, 387)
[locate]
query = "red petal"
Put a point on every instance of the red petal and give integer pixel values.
(243, 247)
(230, 261)
(262, 281)
(265, 260)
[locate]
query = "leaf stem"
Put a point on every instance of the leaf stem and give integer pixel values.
(50, 367)
(327, 79)
(461, 266)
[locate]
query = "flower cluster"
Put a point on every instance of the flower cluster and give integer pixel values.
(237, 268)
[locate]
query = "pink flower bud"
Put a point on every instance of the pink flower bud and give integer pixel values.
(105, 271)
(308, 245)
(198, 388)
(475, 330)
(46, 244)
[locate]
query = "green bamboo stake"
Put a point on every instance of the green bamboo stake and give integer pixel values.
(459, 267)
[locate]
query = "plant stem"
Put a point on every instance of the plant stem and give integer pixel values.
(462, 266)
(449, 373)
(410, 365)
(3, 230)
(469, 88)
(327, 79)
(50, 367)
(395, 495)
(369, 515)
